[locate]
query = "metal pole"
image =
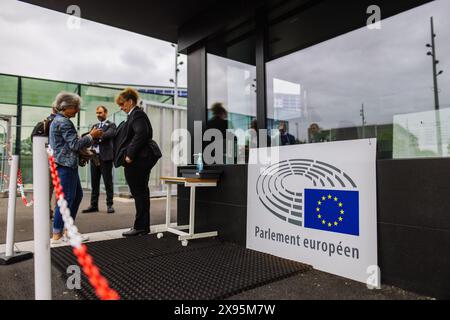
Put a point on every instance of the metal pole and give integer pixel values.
(436, 89)
(363, 117)
(433, 48)
(176, 126)
(192, 211)
(168, 204)
(42, 267)
(79, 113)
(10, 257)
(175, 90)
(161, 139)
(11, 206)
(4, 157)
(19, 116)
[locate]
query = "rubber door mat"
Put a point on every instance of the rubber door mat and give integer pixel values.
(145, 267)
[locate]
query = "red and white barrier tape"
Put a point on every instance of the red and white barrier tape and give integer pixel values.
(26, 203)
(100, 284)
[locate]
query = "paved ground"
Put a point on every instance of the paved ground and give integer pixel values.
(87, 223)
(17, 281)
(317, 285)
(312, 285)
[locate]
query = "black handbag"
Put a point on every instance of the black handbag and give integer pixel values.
(119, 159)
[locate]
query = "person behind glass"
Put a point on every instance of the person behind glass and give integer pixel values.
(104, 149)
(132, 151)
(253, 139)
(315, 134)
(218, 121)
(285, 137)
(66, 145)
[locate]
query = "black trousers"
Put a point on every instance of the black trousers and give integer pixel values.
(137, 175)
(104, 170)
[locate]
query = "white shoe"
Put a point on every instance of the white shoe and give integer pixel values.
(60, 241)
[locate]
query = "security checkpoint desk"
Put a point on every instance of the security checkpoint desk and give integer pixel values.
(191, 183)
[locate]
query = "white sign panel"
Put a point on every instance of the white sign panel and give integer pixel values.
(316, 204)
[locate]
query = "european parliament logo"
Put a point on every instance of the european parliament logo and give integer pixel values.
(285, 190)
(332, 211)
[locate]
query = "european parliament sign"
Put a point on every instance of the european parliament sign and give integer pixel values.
(316, 204)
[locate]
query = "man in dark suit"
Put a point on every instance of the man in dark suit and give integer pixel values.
(132, 151)
(285, 137)
(104, 149)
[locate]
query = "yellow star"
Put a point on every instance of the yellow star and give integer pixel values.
(342, 211)
(323, 198)
(329, 224)
(340, 204)
(335, 223)
(323, 222)
(335, 199)
(319, 216)
(329, 196)
(317, 209)
(319, 203)
(340, 219)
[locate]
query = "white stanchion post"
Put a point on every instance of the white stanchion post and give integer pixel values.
(10, 256)
(42, 266)
(12, 206)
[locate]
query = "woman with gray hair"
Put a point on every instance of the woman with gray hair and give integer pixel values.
(66, 145)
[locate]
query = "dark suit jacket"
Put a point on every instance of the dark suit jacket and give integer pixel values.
(106, 142)
(132, 138)
(287, 139)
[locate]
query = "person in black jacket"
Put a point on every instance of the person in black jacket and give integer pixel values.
(219, 121)
(104, 149)
(132, 151)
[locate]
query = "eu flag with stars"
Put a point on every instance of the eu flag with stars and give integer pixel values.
(332, 211)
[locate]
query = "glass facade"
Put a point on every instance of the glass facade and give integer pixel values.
(369, 84)
(37, 96)
(8, 94)
(232, 85)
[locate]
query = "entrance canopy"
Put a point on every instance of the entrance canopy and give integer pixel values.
(159, 19)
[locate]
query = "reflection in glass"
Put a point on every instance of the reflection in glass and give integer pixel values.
(355, 85)
(417, 136)
(231, 100)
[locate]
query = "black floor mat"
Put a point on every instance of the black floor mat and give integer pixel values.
(149, 268)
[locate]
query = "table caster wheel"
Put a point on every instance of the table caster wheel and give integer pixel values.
(184, 243)
(159, 235)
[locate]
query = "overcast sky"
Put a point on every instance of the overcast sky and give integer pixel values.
(37, 42)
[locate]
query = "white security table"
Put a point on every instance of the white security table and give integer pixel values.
(191, 183)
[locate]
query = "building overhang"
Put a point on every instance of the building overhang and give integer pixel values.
(159, 19)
